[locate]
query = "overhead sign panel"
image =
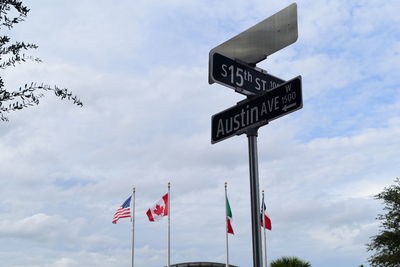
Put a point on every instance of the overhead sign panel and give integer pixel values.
(263, 39)
(257, 111)
(241, 77)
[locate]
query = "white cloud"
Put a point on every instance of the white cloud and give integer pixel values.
(39, 227)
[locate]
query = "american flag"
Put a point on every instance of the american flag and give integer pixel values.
(124, 211)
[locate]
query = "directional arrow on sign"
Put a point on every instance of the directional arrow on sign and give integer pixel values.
(241, 77)
(286, 107)
(257, 111)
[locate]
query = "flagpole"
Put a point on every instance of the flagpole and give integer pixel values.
(169, 224)
(133, 226)
(226, 228)
(265, 235)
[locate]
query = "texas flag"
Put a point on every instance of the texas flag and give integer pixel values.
(159, 210)
(265, 221)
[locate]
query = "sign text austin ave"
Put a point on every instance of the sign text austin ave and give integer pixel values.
(241, 77)
(257, 111)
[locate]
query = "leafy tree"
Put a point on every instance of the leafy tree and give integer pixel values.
(12, 53)
(386, 245)
(290, 262)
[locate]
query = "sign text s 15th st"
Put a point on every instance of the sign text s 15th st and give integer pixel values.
(241, 77)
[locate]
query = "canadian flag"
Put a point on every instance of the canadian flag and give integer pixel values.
(159, 210)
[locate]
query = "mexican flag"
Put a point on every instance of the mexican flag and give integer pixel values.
(229, 228)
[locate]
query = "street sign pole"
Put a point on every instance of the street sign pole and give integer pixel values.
(246, 117)
(254, 197)
(275, 98)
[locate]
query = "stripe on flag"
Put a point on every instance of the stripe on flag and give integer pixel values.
(124, 211)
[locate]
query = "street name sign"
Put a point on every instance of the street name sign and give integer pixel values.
(261, 40)
(233, 64)
(257, 111)
(241, 77)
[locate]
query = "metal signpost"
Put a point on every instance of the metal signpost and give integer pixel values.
(232, 64)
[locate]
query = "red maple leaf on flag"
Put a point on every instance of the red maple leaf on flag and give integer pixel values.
(158, 210)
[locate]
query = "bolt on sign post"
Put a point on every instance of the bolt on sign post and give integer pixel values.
(232, 64)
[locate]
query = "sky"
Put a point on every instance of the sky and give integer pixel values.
(141, 71)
